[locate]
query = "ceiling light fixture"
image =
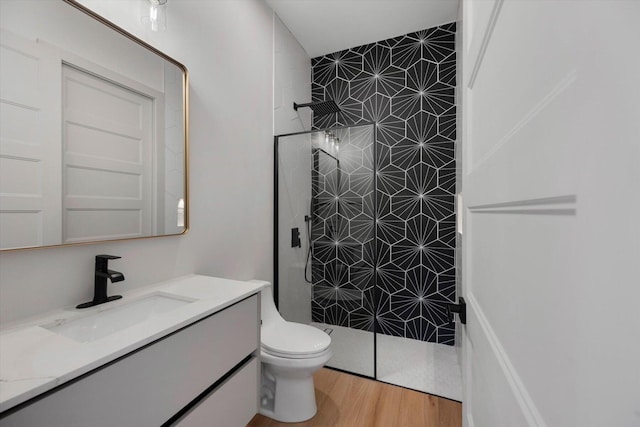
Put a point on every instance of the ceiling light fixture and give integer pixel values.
(331, 141)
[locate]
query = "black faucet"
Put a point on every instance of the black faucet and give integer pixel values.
(100, 282)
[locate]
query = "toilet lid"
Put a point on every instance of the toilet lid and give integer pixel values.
(294, 339)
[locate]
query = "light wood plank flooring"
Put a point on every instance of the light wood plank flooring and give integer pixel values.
(347, 400)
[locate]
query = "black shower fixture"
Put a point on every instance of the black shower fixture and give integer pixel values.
(320, 108)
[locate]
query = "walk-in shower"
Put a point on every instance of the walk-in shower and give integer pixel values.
(336, 275)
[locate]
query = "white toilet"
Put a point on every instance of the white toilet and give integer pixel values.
(291, 353)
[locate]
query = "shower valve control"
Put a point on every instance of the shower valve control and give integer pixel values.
(295, 238)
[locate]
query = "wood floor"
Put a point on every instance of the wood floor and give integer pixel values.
(347, 400)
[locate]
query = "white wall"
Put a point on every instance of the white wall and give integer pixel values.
(227, 47)
(292, 83)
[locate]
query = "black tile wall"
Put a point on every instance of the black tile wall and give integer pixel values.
(406, 85)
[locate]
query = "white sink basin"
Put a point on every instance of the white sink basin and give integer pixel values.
(113, 319)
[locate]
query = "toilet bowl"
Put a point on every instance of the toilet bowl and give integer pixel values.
(290, 354)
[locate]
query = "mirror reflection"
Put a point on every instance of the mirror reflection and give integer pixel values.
(92, 131)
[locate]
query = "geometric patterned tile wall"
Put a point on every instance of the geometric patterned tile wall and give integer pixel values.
(406, 85)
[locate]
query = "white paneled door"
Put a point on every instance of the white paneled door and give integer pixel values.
(29, 143)
(550, 131)
(108, 159)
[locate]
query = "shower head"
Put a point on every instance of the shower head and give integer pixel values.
(321, 107)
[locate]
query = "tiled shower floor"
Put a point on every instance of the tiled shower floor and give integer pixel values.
(432, 368)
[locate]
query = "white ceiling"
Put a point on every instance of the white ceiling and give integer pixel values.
(327, 26)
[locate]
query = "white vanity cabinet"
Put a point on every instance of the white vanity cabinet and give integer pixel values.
(205, 374)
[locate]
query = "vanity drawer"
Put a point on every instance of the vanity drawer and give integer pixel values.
(149, 386)
(231, 404)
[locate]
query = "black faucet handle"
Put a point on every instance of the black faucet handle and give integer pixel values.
(107, 257)
(102, 262)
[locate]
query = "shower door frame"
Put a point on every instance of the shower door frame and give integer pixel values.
(375, 232)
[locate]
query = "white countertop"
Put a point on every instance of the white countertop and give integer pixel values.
(34, 360)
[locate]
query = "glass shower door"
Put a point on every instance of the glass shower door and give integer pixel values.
(326, 238)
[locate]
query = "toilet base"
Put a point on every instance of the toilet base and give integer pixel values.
(295, 402)
(287, 393)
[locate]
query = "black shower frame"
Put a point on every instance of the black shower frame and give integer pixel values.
(375, 231)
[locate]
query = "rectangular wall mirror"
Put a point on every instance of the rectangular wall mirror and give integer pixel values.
(93, 130)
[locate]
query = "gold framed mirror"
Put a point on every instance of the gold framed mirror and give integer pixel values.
(93, 130)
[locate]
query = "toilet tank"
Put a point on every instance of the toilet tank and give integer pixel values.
(268, 311)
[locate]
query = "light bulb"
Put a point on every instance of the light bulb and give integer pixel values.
(157, 15)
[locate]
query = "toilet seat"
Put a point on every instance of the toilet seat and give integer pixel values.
(294, 340)
(282, 355)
